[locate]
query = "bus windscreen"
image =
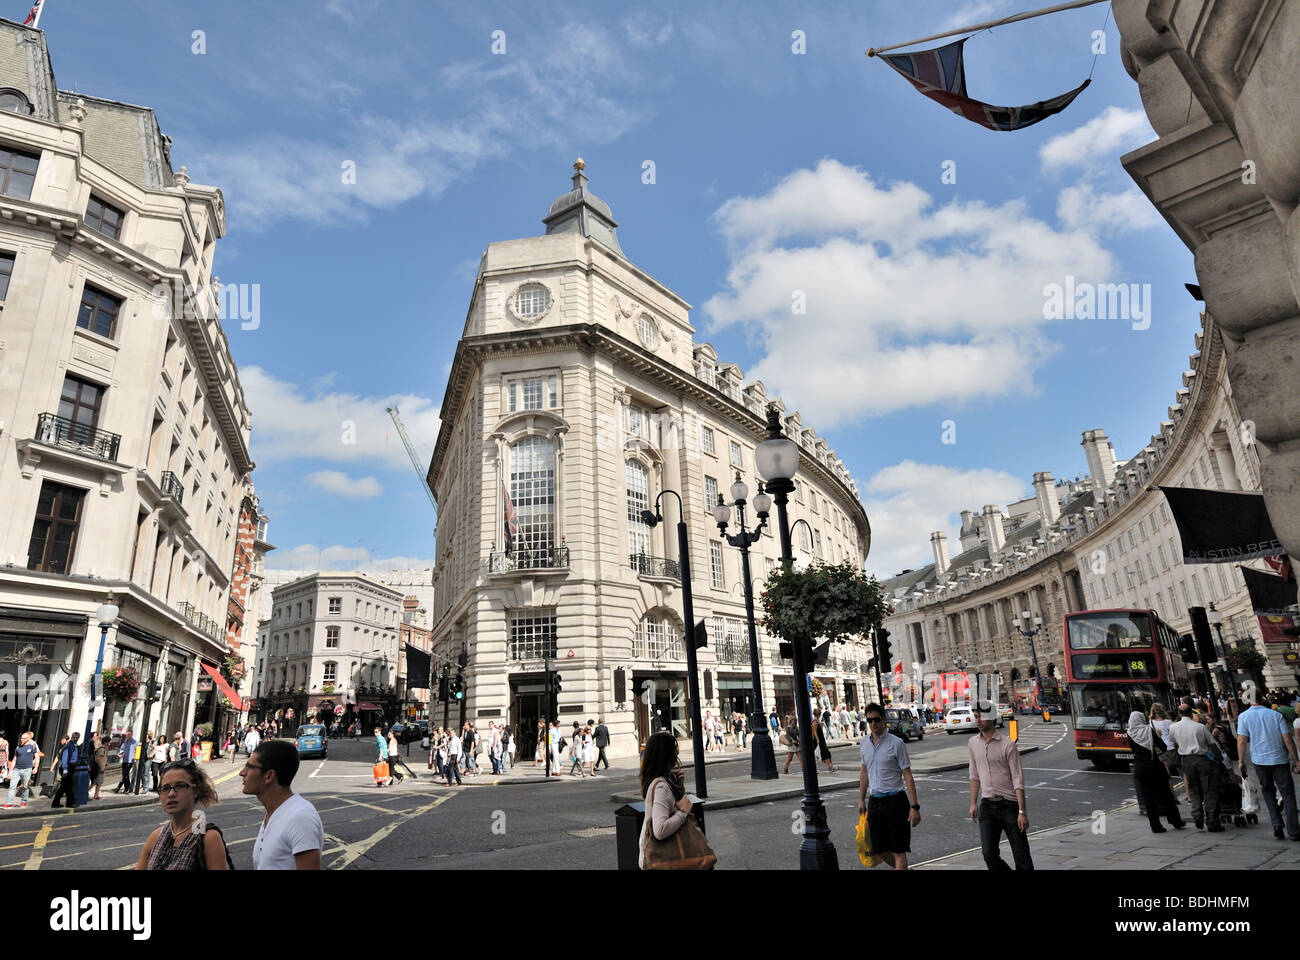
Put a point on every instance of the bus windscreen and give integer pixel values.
(1110, 631)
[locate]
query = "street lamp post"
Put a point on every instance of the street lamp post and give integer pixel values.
(762, 756)
(1216, 621)
(107, 616)
(652, 519)
(777, 459)
(1029, 635)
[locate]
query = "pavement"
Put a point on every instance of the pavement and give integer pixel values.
(1121, 839)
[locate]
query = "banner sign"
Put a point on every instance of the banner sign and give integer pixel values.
(1220, 527)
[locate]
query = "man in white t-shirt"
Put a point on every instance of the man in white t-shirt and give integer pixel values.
(291, 835)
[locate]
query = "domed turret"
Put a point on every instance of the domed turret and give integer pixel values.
(581, 211)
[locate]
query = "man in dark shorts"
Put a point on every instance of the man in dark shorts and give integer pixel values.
(886, 790)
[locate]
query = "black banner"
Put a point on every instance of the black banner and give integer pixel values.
(417, 668)
(1270, 596)
(1220, 527)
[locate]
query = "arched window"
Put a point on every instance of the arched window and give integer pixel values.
(638, 499)
(532, 490)
(12, 101)
(659, 639)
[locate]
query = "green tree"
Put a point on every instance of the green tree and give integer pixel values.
(835, 601)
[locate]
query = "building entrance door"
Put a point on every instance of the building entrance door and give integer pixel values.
(525, 712)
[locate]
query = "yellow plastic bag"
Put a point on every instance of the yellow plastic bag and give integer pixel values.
(864, 844)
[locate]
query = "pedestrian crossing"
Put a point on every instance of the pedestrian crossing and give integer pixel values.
(1042, 735)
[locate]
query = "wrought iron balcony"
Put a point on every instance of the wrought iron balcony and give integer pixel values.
(60, 431)
(171, 486)
(201, 621)
(541, 558)
(733, 651)
(655, 566)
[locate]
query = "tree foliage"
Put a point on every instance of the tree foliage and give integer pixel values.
(835, 601)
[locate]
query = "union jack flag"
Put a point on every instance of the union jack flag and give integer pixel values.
(34, 14)
(511, 526)
(940, 74)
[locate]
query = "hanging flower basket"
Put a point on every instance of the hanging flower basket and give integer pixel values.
(834, 601)
(233, 670)
(120, 683)
(817, 688)
(1245, 659)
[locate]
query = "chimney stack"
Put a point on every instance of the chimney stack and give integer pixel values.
(1049, 507)
(993, 528)
(1101, 460)
(939, 543)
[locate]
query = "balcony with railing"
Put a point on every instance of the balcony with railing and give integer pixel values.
(648, 566)
(56, 431)
(171, 486)
(201, 621)
(731, 650)
(540, 558)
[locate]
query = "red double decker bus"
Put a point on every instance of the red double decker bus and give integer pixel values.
(1118, 661)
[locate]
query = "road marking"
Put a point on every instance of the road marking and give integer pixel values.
(351, 852)
(221, 780)
(38, 848)
(368, 806)
(318, 768)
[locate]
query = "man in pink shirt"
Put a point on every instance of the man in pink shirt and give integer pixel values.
(997, 791)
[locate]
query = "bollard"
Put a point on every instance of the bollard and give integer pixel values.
(628, 821)
(1047, 715)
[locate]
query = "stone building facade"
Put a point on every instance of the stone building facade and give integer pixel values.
(1105, 540)
(124, 444)
(578, 396)
(1218, 82)
(331, 642)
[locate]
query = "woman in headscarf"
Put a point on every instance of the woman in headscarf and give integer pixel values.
(1150, 776)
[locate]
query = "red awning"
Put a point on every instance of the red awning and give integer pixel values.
(224, 687)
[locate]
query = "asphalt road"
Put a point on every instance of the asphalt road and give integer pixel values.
(566, 823)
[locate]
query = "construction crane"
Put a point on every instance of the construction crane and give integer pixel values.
(415, 457)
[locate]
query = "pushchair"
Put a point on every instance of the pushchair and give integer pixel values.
(1229, 788)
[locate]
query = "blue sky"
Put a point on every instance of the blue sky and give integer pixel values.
(775, 172)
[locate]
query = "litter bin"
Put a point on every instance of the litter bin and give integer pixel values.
(628, 820)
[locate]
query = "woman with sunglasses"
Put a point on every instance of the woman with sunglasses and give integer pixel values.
(185, 841)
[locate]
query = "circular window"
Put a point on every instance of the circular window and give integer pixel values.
(531, 301)
(648, 331)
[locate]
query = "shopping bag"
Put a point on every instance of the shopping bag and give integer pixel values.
(381, 772)
(864, 844)
(1249, 804)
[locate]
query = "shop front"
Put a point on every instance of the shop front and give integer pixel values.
(736, 695)
(527, 709)
(38, 674)
(783, 690)
(661, 704)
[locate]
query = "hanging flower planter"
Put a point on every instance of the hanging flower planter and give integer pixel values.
(119, 683)
(832, 601)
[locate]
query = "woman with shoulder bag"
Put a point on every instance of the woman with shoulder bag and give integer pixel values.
(185, 841)
(670, 837)
(1150, 775)
(791, 740)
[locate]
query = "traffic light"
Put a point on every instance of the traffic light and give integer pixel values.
(442, 685)
(883, 650)
(1201, 631)
(458, 686)
(555, 684)
(701, 636)
(1188, 647)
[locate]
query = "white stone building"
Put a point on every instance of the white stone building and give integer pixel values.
(1104, 541)
(123, 428)
(331, 641)
(579, 391)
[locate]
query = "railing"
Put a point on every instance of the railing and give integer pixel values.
(541, 558)
(733, 651)
(55, 430)
(201, 621)
(655, 566)
(171, 486)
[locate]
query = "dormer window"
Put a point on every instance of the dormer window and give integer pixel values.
(12, 101)
(103, 218)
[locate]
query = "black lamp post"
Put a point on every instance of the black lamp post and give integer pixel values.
(1033, 652)
(777, 459)
(107, 615)
(651, 519)
(762, 756)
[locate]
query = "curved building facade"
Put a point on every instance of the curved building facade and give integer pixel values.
(577, 396)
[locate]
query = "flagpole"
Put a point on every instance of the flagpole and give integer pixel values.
(873, 51)
(40, 8)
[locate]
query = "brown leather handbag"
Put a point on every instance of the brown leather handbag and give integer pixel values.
(686, 849)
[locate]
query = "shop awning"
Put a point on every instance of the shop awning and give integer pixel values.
(224, 687)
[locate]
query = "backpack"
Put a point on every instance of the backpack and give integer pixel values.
(230, 864)
(563, 743)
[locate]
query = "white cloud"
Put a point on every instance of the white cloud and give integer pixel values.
(1097, 142)
(492, 105)
(327, 424)
(975, 12)
(1082, 207)
(309, 557)
(906, 303)
(908, 501)
(339, 483)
